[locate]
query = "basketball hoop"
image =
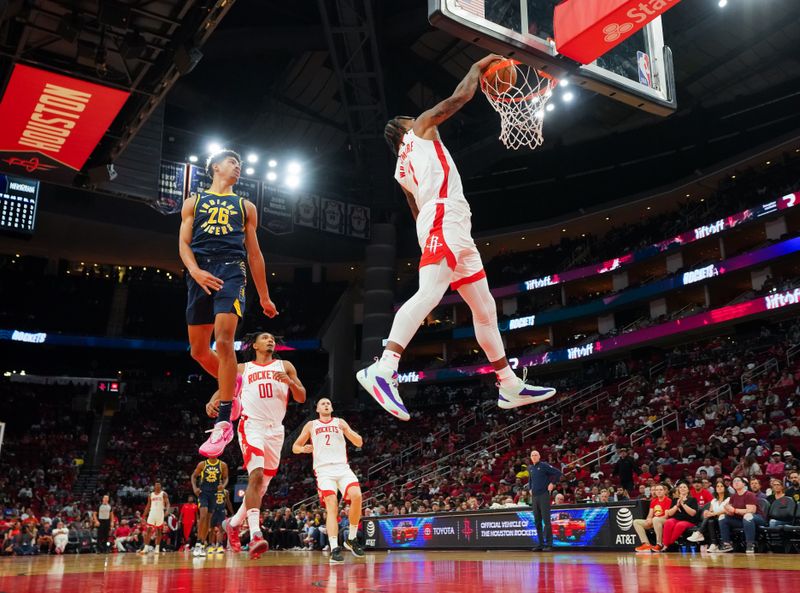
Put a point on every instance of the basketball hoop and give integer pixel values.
(521, 103)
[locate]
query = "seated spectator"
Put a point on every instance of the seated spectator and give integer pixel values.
(699, 493)
(775, 466)
(794, 486)
(681, 516)
(782, 509)
(655, 520)
(60, 537)
(122, 536)
(755, 488)
(742, 511)
(709, 527)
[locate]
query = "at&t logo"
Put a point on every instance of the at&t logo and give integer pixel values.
(370, 528)
(624, 519)
(614, 31)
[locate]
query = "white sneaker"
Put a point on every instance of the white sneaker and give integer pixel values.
(382, 386)
(199, 551)
(696, 537)
(713, 549)
(523, 394)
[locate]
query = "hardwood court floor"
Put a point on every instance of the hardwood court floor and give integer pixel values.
(456, 572)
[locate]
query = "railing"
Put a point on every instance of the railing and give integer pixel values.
(758, 370)
(791, 353)
(637, 436)
(625, 385)
(592, 401)
(600, 454)
(540, 426)
(657, 368)
(713, 395)
(467, 420)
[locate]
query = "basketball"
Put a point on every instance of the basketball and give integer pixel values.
(500, 76)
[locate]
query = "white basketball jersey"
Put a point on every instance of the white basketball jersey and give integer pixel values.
(426, 169)
(263, 397)
(157, 503)
(329, 444)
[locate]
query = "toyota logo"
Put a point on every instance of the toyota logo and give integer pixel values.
(371, 528)
(614, 31)
(624, 519)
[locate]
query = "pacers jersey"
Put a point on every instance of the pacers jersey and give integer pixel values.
(327, 438)
(211, 475)
(264, 398)
(426, 169)
(157, 503)
(218, 229)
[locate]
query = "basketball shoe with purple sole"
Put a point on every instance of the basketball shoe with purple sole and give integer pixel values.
(382, 386)
(523, 394)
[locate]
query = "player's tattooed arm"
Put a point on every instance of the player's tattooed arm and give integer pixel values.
(424, 124)
(301, 445)
(351, 435)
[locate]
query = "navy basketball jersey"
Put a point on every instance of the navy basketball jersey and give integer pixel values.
(211, 475)
(218, 229)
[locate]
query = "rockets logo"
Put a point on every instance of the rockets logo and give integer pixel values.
(433, 244)
(30, 165)
(467, 530)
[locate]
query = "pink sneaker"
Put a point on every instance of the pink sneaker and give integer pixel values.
(258, 546)
(233, 536)
(221, 435)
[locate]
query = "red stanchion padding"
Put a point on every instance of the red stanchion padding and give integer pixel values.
(586, 29)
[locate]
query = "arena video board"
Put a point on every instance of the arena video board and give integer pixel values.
(578, 526)
(19, 200)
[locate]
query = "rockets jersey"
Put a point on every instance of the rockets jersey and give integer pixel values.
(328, 441)
(218, 228)
(264, 398)
(157, 503)
(426, 169)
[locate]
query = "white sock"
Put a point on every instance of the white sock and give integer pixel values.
(158, 548)
(351, 533)
(238, 517)
(389, 361)
(334, 542)
(506, 376)
(254, 521)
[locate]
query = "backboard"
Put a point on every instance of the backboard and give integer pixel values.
(638, 71)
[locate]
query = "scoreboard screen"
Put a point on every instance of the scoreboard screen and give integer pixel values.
(18, 200)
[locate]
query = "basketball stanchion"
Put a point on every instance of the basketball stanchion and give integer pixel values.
(519, 93)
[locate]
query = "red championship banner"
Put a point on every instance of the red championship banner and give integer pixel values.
(586, 29)
(52, 123)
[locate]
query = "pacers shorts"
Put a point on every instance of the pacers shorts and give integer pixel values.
(202, 308)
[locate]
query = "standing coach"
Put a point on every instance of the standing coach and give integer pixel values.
(542, 478)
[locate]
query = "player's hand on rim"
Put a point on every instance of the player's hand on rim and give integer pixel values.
(207, 281)
(484, 63)
(269, 308)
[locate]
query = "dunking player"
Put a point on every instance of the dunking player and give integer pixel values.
(205, 480)
(157, 504)
(266, 384)
(429, 178)
(218, 229)
(222, 508)
(329, 448)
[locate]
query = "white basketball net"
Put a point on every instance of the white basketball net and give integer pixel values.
(522, 106)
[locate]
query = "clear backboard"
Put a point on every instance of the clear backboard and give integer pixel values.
(638, 71)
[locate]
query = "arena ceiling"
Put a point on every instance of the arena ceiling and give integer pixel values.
(268, 79)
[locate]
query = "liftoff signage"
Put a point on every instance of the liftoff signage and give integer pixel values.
(53, 116)
(586, 29)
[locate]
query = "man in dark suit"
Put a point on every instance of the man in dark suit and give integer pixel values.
(542, 478)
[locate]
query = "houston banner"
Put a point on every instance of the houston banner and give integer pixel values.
(52, 123)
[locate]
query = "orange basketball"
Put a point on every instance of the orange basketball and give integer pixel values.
(500, 76)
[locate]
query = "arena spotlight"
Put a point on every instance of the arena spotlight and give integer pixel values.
(723, 3)
(192, 158)
(294, 168)
(272, 176)
(252, 158)
(272, 163)
(249, 171)
(567, 97)
(563, 82)
(550, 107)
(292, 182)
(214, 147)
